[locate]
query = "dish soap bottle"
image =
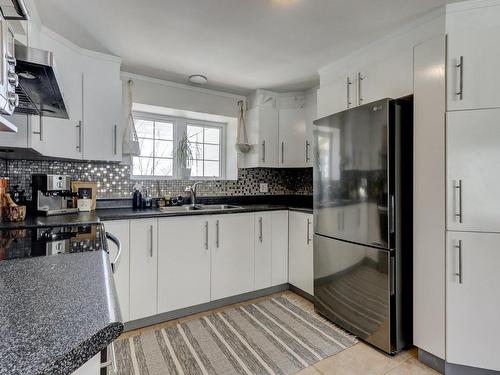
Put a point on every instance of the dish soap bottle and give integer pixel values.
(137, 197)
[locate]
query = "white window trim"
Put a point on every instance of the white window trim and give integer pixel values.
(180, 126)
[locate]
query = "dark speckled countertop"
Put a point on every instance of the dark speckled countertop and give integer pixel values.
(56, 312)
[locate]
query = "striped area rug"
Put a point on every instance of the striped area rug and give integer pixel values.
(274, 336)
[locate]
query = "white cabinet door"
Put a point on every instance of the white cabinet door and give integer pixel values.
(387, 78)
(183, 262)
(472, 70)
(121, 230)
(473, 300)
(262, 130)
(279, 247)
(263, 250)
(62, 137)
(143, 268)
(102, 96)
(473, 156)
(310, 115)
(233, 260)
(336, 96)
(301, 251)
(292, 137)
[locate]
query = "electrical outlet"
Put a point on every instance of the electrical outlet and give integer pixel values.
(264, 188)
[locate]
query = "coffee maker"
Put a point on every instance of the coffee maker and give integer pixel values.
(52, 194)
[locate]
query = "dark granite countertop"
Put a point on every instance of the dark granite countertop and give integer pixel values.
(56, 312)
(129, 213)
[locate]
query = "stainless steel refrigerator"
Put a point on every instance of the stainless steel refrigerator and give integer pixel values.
(363, 221)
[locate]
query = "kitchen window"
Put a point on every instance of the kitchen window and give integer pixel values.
(158, 138)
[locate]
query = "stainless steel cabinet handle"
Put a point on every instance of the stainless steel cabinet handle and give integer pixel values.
(217, 233)
(459, 273)
(349, 83)
(459, 189)
(151, 239)
(307, 151)
(263, 151)
(206, 235)
(282, 152)
(360, 96)
(260, 229)
(115, 140)
(460, 66)
(118, 244)
(79, 143)
(112, 361)
(308, 231)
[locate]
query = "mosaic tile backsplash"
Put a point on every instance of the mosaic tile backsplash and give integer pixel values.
(113, 180)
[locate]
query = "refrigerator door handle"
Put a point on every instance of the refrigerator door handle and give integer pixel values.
(392, 214)
(392, 275)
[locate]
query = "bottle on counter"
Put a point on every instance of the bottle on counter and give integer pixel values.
(136, 199)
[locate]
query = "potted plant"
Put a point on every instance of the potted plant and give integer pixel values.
(184, 157)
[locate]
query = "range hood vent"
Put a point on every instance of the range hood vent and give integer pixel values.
(14, 10)
(38, 90)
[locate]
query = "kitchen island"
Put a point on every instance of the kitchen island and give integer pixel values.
(56, 312)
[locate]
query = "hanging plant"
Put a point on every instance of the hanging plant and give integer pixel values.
(184, 156)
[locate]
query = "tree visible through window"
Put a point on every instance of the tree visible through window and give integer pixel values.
(159, 136)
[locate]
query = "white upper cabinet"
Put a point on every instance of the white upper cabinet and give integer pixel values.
(62, 137)
(233, 260)
(279, 128)
(262, 130)
(472, 299)
(473, 55)
(292, 137)
(473, 156)
(102, 106)
(337, 96)
(183, 262)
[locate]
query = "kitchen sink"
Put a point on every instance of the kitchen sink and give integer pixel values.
(200, 207)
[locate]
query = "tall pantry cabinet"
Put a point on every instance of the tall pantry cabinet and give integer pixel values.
(456, 224)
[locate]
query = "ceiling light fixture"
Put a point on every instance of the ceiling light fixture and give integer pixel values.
(198, 79)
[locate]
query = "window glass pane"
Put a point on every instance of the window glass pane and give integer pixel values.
(142, 166)
(146, 147)
(163, 167)
(144, 128)
(212, 135)
(211, 152)
(164, 149)
(195, 133)
(211, 168)
(197, 168)
(197, 150)
(164, 130)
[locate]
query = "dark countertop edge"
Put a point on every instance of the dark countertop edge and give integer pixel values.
(109, 214)
(77, 357)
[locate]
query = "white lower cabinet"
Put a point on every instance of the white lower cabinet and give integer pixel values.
(263, 250)
(143, 268)
(183, 262)
(91, 367)
(301, 233)
(232, 270)
(279, 247)
(121, 230)
(473, 300)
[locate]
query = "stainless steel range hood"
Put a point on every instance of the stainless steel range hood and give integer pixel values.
(14, 10)
(38, 90)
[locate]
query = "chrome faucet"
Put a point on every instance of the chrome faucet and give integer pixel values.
(192, 190)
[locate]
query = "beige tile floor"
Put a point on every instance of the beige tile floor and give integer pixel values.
(360, 359)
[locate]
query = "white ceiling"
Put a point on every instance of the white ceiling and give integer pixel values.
(239, 44)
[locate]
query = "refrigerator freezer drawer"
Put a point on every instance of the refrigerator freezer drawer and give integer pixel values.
(353, 286)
